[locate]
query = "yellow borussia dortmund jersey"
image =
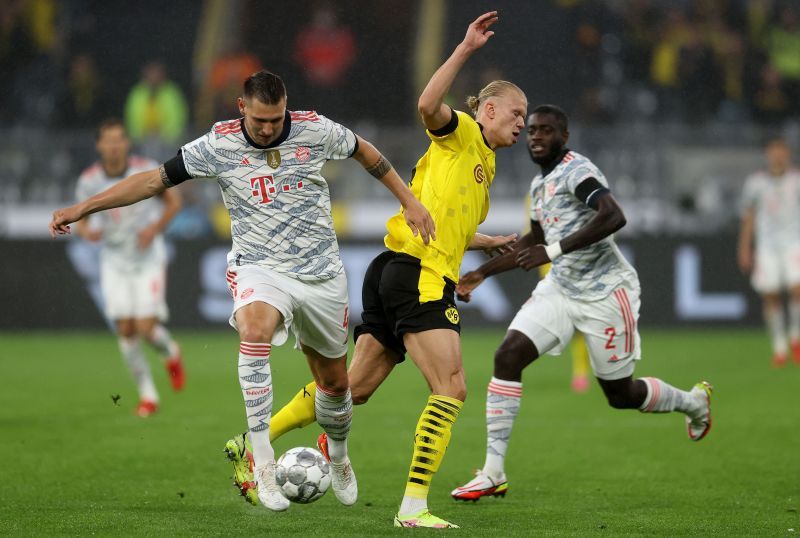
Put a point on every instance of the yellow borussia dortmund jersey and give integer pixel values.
(452, 181)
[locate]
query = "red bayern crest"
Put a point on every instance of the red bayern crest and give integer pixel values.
(247, 293)
(302, 154)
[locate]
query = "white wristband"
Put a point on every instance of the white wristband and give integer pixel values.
(553, 251)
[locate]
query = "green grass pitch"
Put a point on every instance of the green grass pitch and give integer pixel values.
(74, 462)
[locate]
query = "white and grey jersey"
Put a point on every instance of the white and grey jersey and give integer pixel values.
(592, 272)
(278, 201)
(776, 201)
(121, 226)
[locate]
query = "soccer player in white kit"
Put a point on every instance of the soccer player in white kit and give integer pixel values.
(770, 210)
(133, 262)
(284, 268)
(590, 288)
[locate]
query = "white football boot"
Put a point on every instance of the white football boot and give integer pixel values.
(698, 423)
(269, 493)
(343, 482)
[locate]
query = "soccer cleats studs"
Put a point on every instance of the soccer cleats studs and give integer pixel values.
(343, 479)
(241, 456)
(423, 519)
(177, 377)
(698, 423)
(481, 486)
(146, 408)
(269, 493)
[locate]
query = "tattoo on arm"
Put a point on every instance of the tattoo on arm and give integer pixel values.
(164, 177)
(380, 168)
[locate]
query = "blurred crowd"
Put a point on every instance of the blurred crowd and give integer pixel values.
(170, 69)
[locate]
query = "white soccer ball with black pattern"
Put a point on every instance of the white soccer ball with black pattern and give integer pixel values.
(303, 474)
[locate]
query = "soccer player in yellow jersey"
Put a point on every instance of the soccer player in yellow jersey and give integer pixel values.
(408, 291)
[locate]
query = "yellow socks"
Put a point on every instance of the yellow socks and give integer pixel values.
(297, 413)
(580, 356)
(430, 442)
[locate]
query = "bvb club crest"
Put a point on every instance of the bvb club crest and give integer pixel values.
(452, 315)
(479, 174)
(273, 157)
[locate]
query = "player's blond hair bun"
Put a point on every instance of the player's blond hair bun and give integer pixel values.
(494, 88)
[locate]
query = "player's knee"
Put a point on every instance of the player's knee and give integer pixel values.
(253, 332)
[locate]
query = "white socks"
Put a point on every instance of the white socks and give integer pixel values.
(663, 398)
(502, 406)
(794, 320)
(334, 415)
(255, 379)
(777, 330)
(162, 341)
(139, 368)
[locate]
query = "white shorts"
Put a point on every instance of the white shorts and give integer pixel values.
(776, 269)
(549, 318)
(316, 312)
(137, 294)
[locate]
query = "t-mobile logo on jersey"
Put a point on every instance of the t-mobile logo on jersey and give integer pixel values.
(264, 188)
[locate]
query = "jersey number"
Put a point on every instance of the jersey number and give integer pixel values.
(611, 332)
(263, 187)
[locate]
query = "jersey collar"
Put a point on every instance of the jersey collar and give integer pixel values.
(287, 127)
(484, 138)
(549, 167)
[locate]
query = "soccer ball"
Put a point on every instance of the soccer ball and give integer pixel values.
(303, 474)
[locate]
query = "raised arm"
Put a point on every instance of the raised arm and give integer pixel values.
(417, 217)
(608, 219)
(128, 191)
(435, 114)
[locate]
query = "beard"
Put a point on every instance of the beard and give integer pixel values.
(549, 157)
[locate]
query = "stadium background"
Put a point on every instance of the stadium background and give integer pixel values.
(669, 99)
(673, 100)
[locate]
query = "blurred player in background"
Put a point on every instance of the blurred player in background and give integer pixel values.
(771, 219)
(591, 288)
(133, 262)
(408, 291)
(284, 269)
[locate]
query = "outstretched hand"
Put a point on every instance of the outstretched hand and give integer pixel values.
(499, 244)
(531, 257)
(478, 32)
(62, 218)
(420, 221)
(467, 284)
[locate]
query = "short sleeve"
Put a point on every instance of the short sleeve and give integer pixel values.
(460, 137)
(199, 156)
(582, 171)
(340, 142)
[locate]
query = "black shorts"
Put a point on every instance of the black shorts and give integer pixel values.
(391, 302)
